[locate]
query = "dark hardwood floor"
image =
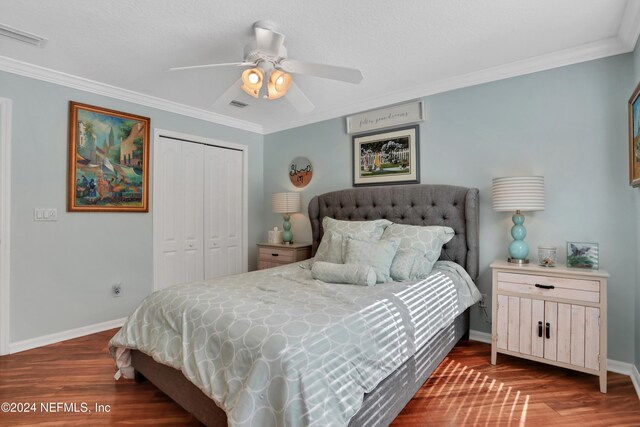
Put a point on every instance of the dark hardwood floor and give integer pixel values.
(465, 390)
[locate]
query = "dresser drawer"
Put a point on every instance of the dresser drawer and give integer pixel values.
(276, 255)
(555, 287)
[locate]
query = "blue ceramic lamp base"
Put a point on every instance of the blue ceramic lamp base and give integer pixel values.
(287, 235)
(518, 249)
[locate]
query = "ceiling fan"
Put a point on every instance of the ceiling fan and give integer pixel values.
(270, 74)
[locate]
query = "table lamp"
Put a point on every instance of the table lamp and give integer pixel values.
(518, 193)
(286, 204)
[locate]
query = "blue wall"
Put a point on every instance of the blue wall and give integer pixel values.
(568, 124)
(62, 272)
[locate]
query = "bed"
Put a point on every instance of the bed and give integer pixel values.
(384, 398)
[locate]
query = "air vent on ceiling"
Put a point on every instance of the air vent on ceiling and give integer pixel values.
(238, 104)
(23, 36)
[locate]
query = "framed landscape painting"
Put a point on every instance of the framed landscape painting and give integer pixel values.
(389, 157)
(634, 138)
(108, 166)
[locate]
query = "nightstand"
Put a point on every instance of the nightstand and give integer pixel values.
(274, 255)
(554, 315)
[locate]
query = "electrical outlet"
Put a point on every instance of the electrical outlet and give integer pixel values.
(117, 289)
(483, 301)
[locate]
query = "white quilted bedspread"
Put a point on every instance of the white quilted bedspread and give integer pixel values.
(275, 347)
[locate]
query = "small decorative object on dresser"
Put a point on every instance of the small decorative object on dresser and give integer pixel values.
(518, 193)
(556, 316)
(275, 255)
(547, 256)
(582, 255)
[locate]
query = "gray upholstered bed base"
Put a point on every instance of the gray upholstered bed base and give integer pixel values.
(456, 207)
(384, 403)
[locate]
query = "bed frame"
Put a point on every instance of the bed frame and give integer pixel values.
(456, 207)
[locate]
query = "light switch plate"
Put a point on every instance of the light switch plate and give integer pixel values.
(45, 214)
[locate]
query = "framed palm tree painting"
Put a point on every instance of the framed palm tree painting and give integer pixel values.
(108, 164)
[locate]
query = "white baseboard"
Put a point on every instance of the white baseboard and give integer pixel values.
(19, 346)
(612, 365)
(635, 379)
(479, 336)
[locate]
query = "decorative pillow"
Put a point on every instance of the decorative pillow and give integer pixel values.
(427, 241)
(402, 264)
(352, 274)
(363, 230)
(378, 255)
(330, 248)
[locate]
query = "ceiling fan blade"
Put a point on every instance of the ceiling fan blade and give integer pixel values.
(298, 99)
(191, 67)
(268, 41)
(333, 72)
(229, 95)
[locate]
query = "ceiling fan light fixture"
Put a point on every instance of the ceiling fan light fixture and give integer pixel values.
(279, 83)
(252, 81)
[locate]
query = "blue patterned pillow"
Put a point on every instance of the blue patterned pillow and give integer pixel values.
(427, 241)
(330, 248)
(378, 255)
(363, 230)
(351, 274)
(402, 264)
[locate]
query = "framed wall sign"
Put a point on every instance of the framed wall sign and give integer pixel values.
(389, 157)
(300, 172)
(386, 117)
(108, 165)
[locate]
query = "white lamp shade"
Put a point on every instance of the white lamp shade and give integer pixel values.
(518, 193)
(285, 202)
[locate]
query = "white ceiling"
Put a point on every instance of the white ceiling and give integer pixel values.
(405, 49)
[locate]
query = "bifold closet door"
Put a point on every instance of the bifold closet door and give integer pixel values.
(199, 211)
(180, 212)
(223, 200)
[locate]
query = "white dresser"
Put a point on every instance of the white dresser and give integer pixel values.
(554, 315)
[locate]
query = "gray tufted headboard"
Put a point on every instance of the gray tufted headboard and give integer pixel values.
(417, 204)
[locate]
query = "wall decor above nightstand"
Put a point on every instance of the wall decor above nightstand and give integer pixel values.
(551, 315)
(275, 255)
(300, 172)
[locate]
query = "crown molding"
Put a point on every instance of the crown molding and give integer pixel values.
(587, 52)
(48, 75)
(630, 25)
(623, 43)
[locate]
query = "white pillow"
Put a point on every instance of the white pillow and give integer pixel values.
(426, 241)
(378, 255)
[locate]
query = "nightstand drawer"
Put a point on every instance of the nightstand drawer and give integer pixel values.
(276, 255)
(556, 287)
